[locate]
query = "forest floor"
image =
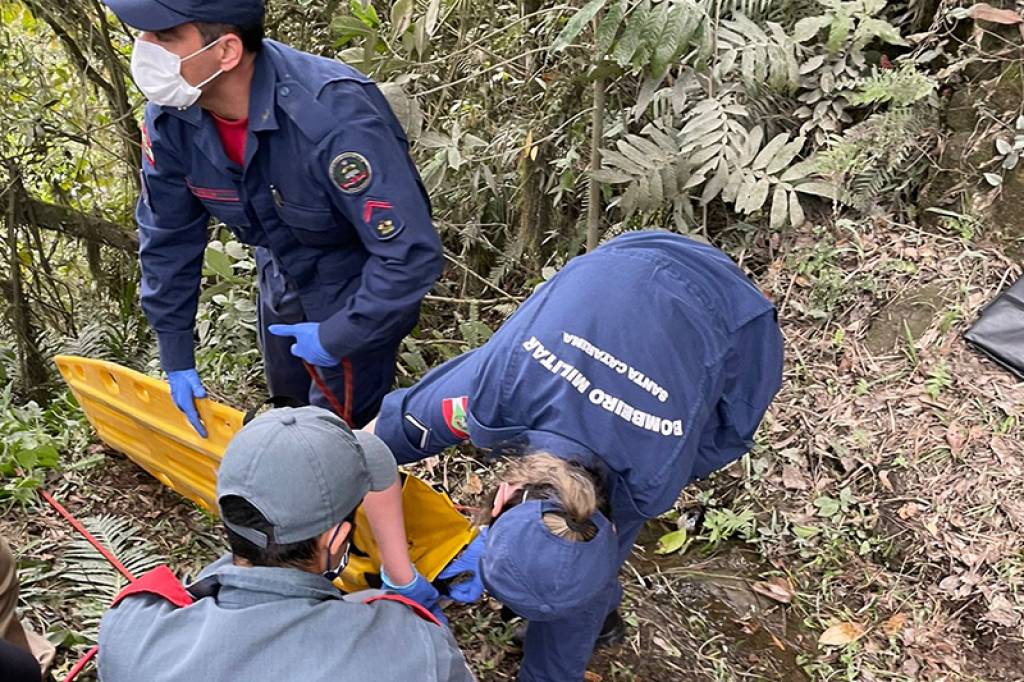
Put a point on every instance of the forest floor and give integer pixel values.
(876, 532)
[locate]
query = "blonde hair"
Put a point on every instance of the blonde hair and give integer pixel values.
(572, 486)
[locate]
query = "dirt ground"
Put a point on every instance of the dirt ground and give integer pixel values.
(874, 533)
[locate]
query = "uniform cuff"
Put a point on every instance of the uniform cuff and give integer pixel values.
(337, 338)
(177, 351)
(390, 428)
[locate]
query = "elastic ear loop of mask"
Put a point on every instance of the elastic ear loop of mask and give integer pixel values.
(332, 574)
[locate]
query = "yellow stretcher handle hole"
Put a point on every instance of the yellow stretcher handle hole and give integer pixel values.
(142, 392)
(110, 382)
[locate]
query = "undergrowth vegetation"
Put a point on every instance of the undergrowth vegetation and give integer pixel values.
(810, 139)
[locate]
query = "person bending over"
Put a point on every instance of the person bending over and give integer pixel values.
(636, 369)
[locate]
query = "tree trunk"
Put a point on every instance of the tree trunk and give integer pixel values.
(594, 190)
(32, 374)
(85, 226)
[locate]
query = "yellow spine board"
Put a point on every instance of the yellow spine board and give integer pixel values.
(134, 414)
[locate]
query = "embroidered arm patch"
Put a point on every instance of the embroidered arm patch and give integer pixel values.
(454, 411)
(351, 172)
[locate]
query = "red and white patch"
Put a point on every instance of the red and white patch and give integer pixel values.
(455, 411)
(147, 147)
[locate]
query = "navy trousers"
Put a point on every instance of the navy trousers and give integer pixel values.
(373, 372)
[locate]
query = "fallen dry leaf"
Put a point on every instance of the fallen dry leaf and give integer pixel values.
(985, 12)
(793, 478)
(894, 624)
(590, 676)
(956, 437)
(474, 486)
(1001, 611)
(1004, 448)
(841, 634)
(908, 511)
(950, 583)
(777, 588)
(883, 478)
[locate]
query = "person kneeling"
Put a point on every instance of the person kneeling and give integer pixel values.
(288, 488)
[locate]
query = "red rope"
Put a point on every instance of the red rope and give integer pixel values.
(345, 412)
(82, 662)
(106, 553)
(76, 524)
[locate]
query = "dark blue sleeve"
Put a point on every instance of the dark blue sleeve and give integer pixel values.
(416, 422)
(382, 196)
(172, 239)
(752, 375)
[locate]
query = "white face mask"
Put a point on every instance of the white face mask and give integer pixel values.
(157, 72)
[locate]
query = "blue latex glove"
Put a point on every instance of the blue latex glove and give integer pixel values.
(186, 386)
(420, 591)
(307, 342)
(469, 588)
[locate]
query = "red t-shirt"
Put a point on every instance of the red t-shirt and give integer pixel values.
(232, 136)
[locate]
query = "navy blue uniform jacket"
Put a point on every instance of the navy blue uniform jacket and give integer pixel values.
(328, 188)
(635, 359)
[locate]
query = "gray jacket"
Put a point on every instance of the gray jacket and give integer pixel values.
(273, 624)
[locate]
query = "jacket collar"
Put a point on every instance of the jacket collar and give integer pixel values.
(243, 586)
(275, 84)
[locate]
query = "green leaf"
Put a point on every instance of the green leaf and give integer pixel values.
(838, 31)
(345, 28)
(805, 532)
(808, 28)
(817, 188)
(769, 151)
(47, 456)
(870, 28)
(827, 506)
(609, 27)
(670, 543)
(786, 155)
(796, 211)
(577, 24)
(610, 176)
(780, 208)
(365, 12)
(632, 38)
(431, 17)
(674, 38)
(217, 263)
(401, 16)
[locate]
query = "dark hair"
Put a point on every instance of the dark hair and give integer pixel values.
(251, 35)
(238, 511)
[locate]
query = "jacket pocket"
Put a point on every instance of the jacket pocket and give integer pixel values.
(312, 225)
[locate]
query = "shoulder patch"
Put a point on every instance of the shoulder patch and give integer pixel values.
(454, 411)
(351, 172)
(380, 216)
(147, 146)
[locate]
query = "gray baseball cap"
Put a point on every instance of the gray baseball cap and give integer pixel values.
(304, 470)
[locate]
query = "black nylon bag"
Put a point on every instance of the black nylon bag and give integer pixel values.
(999, 331)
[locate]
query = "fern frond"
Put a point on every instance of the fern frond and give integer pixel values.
(882, 156)
(92, 579)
